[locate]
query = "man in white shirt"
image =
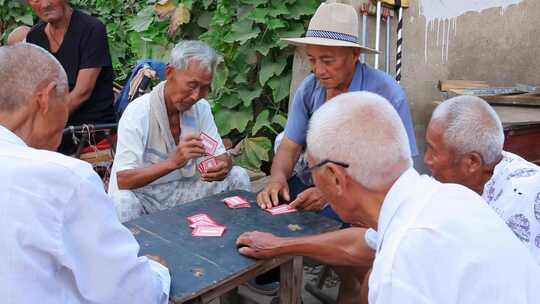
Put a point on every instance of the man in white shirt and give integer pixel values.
(435, 243)
(62, 241)
(465, 146)
(159, 145)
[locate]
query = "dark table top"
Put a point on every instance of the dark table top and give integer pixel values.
(197, 263)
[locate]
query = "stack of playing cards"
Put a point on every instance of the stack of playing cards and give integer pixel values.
(281, 209)
(210, 146)
(236, 202)
(203, 225)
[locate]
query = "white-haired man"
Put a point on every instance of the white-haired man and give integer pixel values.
(62, 240)
(465, 146)
(435, 243)
(159, 144)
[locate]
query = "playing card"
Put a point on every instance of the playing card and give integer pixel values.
(210, 144)
(281, 209)
(206, 164)
(203, 224)
(208, 231)
(200, 217)
(236, 202)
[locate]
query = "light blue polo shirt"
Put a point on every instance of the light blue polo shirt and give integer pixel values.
(310, 95)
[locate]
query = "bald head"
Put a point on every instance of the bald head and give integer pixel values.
(363, 130)
(24, 68)
(470, 124)
(18, 35)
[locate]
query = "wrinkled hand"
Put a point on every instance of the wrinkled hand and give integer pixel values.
(269, 197)
(158, 259)
(258, 245)
(311, 199)
(189, 147)
(218, 172)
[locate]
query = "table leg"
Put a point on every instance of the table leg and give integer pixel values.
(291, 281)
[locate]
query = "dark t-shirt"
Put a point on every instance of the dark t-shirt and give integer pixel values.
(84, 46)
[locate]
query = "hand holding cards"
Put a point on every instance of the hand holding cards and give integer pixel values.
(210, 146)
(204, 225)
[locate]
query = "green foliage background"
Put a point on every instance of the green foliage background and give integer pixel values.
(251, 86)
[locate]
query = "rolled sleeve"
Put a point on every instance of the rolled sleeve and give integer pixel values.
(298, 119)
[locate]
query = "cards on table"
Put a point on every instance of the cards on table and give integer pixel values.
(236, 202)
(210, 144)
(204, 225)
(281, 209)
(208, 231)
(206, 164)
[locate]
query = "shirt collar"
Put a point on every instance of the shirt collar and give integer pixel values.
(398, 194)
(356, 82)
(7, 135)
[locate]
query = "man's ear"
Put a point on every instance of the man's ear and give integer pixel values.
(169, 71)
(356, 52)
(473, 162)
(44, 96)
(338, 177)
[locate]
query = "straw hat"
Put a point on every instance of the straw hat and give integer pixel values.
(334, 24)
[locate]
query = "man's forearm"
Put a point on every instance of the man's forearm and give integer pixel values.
(136, 178)
(284, 160)
(345, 247)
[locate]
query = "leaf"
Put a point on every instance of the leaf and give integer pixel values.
(269, 69)
(27, 19)
(204, 20)
(229, 100)
(141, 22)
(254, 150)
(181, 16)
(206, 3)
(295, 29)
(255, 3)
(248, 95)
(220, 76)
(261, 122)
(302, 8)
(278, 8)
(275, 24)
(164, 8)
(264, 47)
(258, 15)
(242, 31)
(280, 120)
(280, 86)
(228, 120)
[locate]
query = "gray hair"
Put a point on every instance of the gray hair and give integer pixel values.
(471, 125)
(23, 67)
(193, 50)
(365, 131)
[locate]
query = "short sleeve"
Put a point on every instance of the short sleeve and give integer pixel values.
(95, 48)
(298, 118)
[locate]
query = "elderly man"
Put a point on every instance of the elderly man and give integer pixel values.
(159, 141)
(464, 146)
(63, 242)
(435, 243)
(79, 42)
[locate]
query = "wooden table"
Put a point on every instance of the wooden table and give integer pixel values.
(203, 269)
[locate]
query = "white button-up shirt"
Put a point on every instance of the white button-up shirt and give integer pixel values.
(61, 239)
(514, 193)
(441, 243)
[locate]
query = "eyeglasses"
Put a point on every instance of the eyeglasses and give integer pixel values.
(305, 175)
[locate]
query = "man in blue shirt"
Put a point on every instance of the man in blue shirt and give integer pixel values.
(336, 70)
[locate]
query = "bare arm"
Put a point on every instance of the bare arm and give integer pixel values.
(188, 148)
(345, 247)
(86, 81)
(282, 166)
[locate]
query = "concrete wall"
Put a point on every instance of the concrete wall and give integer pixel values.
(495, 45)
(501, 46)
